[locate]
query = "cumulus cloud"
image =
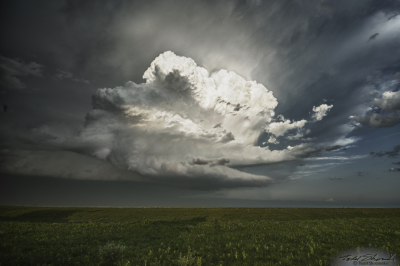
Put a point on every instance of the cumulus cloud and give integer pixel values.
(280, 128)
(273, 140)
(300, 134)
(321, 111)
(390, 101)
(376, 120)
(385, 112)
(185, 126)
(11, 69)
(394, 170)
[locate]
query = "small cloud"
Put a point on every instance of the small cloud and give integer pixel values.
(10, 69)
(211, 162)
(373, 36)
(333, 148)
(390, 154)
(321, 111)
(361, 173)
(336, 178)
(63, 75)
(227, 138)
(273, 140)
(280, 128)
(330, 200)
(60, 75)
(398, 163)
(394, 170)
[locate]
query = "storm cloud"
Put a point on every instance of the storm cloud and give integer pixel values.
(251, 84)
(164, 129)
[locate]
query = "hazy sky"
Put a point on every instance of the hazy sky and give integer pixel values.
(200, 103)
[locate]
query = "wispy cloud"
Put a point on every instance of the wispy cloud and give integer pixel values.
(336, 178)
(353, 157)
(13, 69)
(62, 75)
(390, 154)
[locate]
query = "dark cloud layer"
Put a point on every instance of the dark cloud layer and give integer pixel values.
(390, 154)
(333, 148)
(12, 69)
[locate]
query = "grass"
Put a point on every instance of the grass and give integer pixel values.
(190, 236)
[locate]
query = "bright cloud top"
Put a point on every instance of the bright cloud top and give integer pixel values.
(186, 124)
(383, 111)
(280, 128)
(390, 101)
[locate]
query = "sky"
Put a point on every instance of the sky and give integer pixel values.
(275, 103)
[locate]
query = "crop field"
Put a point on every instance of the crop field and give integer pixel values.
(190, 236)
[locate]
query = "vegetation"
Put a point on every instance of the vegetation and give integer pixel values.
(190, 236)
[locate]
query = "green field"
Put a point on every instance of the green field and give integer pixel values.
(190, 236)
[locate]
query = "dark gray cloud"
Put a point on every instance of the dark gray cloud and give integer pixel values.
(60, 75)
(373, 36)
(336, 178)
(333, 148)
(390, 154)
(202, 161)
(11, 70)
(394, 170)
(360, 173)
(61, 164)
(376, 120)
(384, 110)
